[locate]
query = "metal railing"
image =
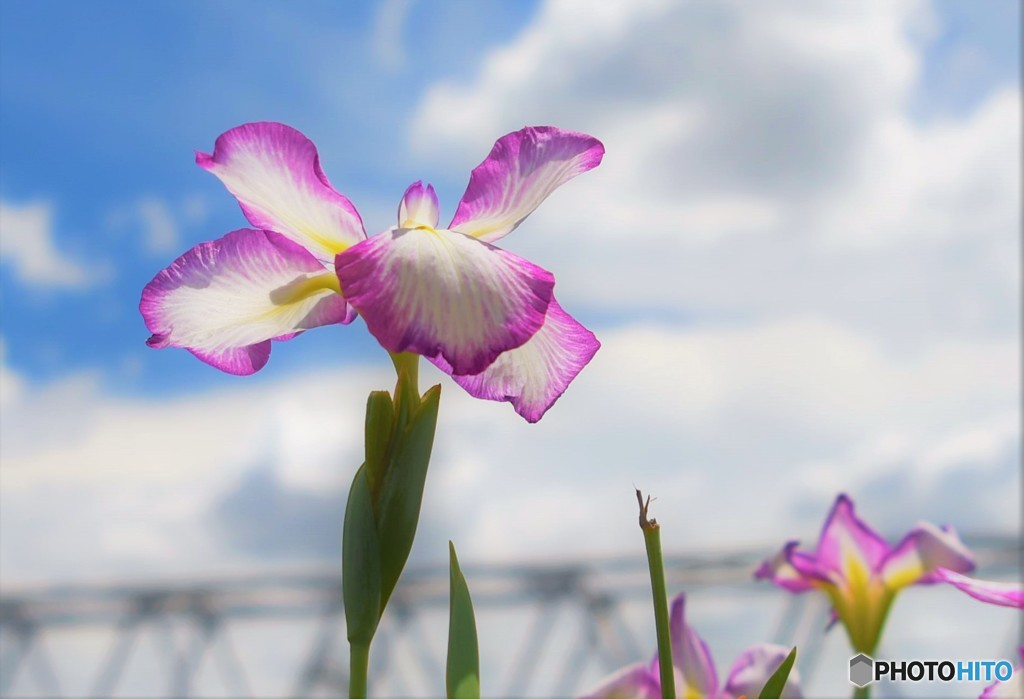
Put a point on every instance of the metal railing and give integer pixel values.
(585, 612)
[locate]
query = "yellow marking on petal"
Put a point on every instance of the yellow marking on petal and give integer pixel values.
(857, 573)
(333, 246)
(303, 288)
(905, 576)
(861, 600)
(413, 223)
(485, 230)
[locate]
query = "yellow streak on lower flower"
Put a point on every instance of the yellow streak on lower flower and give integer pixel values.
(862, 601)
(905, 576)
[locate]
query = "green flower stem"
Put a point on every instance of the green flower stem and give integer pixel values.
(862, 692)
(383, 507)
(359, 664)
(652, 539)
(410, 363)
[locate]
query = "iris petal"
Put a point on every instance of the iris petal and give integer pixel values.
(444, 295)
(418, 207)
(1000, 593)
(848, 546)
(754, 667)
(690, 654)
(632, 682)
(274, 172)
(789, 569)
(521, 171)
(533, 376)
(921, 552)
(225, 300)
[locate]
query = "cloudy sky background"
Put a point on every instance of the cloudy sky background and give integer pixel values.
(801, 256)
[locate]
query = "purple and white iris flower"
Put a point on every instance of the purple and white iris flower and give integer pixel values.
(483, 315)
(695, 674)
(861, 573)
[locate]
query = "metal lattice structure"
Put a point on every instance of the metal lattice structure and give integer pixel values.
(579, 611)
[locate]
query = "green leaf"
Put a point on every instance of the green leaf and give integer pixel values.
(360, 563)
(380, 419)
(462, 677)
(401, 491)
(777, 682)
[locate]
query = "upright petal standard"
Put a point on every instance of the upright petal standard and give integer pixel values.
(520, 172)
(483, 315)
(274, 172)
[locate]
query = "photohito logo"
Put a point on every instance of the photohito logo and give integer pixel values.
(864, 670)
(861, 670)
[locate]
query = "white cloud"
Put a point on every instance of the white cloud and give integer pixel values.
(777, 80)
(159, 229)
(11, 384)
(745, 434)
(852, 274)
(195, 209)
(29, 245)
(78, 465)
(761, 161)
(388, 43)
(737, 430)
(158, 223)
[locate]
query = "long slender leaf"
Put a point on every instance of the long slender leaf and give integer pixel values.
(777, 682)
(462, 676)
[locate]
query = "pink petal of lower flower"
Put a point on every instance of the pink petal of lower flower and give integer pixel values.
(690, 654)
(225, 300)
(632, 682)
(274, 172)
(778, 570)
(1013, 688)
(999, 593)
(807, 566)
(533, 376)
(754, 667)
(847, 541)
(444, 294)
(924, 549)
(522, 169)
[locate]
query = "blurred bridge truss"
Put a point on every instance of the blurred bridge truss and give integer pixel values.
(196, 630)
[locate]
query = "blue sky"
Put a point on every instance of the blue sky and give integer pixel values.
(800, 253)
(103, 109)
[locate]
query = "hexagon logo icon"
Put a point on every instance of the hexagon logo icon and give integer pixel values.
(861, 670)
